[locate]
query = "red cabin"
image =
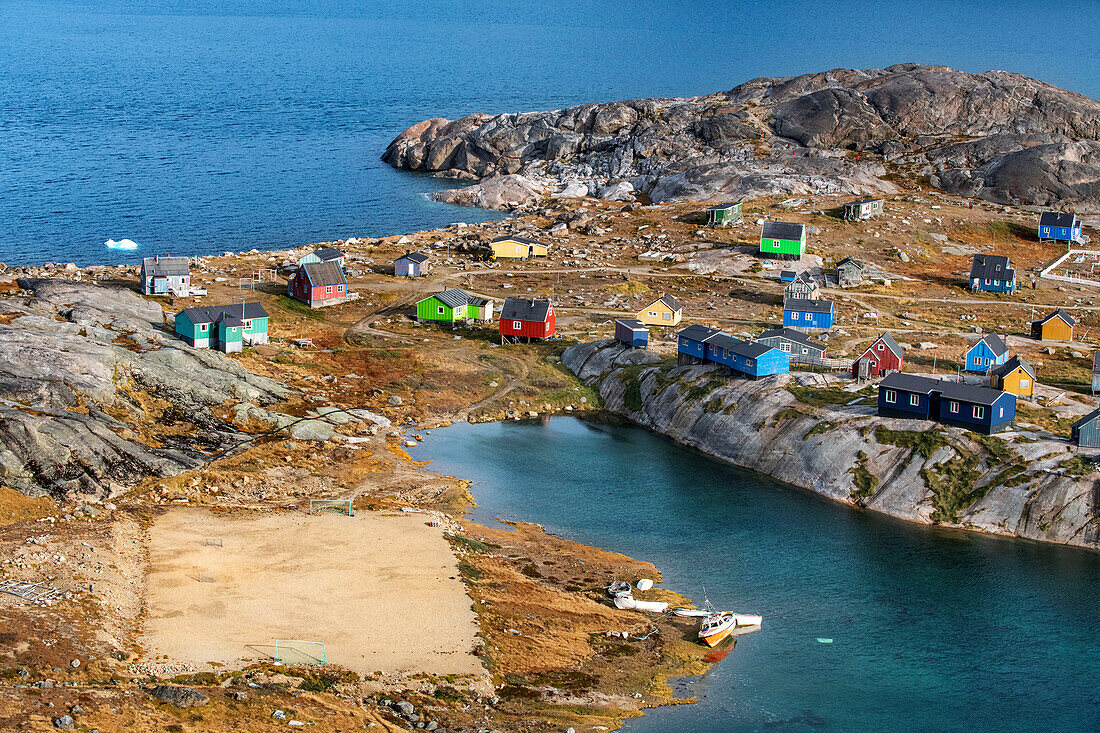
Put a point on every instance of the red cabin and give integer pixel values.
(533, 319)
(318, 284)
(882, 357)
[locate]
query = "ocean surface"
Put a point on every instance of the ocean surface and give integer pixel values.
(932, 630)
(195, 127)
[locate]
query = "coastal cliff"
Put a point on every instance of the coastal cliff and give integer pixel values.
(817, 437)
(997, 135)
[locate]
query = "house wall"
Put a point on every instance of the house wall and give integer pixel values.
(1013, 383)
(428, 310)
(791, 247)
(659, 314)
(805, 319)
(510, 250)
(798, 352)
(1088, 435)
(883, 360)
(902, 405)
(994, 417)
(529, 329)
(634, 339)
(1056, 330)
(690, 347)
(978, 356)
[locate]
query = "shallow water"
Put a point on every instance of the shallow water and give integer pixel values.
(933, 630)
(194, 127)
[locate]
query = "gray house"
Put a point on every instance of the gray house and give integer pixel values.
(1086, 431)
(163, 275)
(802, 349)
(803, 287)
(849, 272)
(1095, 372)
(864, 209)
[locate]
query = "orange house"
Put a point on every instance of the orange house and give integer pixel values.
(1058, 326)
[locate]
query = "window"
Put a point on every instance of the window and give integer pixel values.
(1000, 412)
(683, 342)
(653, 314)
(914, 400)
(805, 350)
(328, 290)
(794, 316)
(248, 324)
(748, 362)
(775, 244)
(988, 281)
(978, 412)
(1024, 383)
(440, 310)
(954, 406)
(339, 288)
(202, 327)
(878, 347)
(666, 316)
(891, 396)
(517, 325)
(787, 347)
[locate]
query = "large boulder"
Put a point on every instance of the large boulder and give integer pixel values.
(181, 697)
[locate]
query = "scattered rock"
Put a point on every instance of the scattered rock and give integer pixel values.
(65, 722)
(181, 697)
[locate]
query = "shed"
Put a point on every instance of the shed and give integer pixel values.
(411, 264)
(1015, 376)
(631, 332)
(1086, 431)
(723, 214)
(783, 239)
(817, 314)
(989, 351)
(522, 318)
(1058, 326)
(1057, 226)
(163, 275)
(863, 209)
(849, 272)
(992, 274)
(884, 356)
(665, 311)
(786, 276)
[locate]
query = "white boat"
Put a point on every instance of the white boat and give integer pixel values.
(717, 626)
(690, 612)
(629, 603)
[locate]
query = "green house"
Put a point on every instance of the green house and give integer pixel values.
(453, 306)
(227, 328)
(783, 239)
(724, 214)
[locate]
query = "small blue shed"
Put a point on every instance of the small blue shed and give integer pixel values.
(787, 276)
(631, 332)
(690, 347)
(989, 352)
(802, 313)
(411, 264)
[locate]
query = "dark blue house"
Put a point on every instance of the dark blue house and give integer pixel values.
(800, 313)
(989, 352)
(690, 347)
(745, 357)
(992, 274)
(631, 332)
(1058, 227)
(980, 409)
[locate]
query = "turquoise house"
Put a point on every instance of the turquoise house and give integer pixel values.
(228, 328)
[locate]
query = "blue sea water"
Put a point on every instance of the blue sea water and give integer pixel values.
(195, 127)
(932, 629)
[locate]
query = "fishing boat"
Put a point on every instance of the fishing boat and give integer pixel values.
(717, 626)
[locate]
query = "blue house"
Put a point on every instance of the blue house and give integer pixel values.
(745, 357)
(411, 264)
(690, 348)
(989, 352)
(802, 313)
(992, 274)
(980, 409)
(631, 332)
(1058, 227)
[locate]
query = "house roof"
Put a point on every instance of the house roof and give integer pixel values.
(791, 335)
(521, 240)
(723, 207)
(804, 277)
(632, 323)
(697, 333)
(1012, 365)
(519, 309)
(232, 313)
(417, 257)
(805, 305)
(166, 266)
(890, 344)
(479, 302)
(994, 342)
(668, 300)
(751, 349)
(1056, 219)
(782, 230)
(326, 254)
(452, 298)
(1070, 320)
(949, 390)
(1087, 418)
(850, 261)
(321, 274)
(990, 267)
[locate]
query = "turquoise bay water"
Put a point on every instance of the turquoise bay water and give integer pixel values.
(934, 630)
(193, 127)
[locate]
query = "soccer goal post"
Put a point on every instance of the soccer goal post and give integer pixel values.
(299, 653)
(339, 506)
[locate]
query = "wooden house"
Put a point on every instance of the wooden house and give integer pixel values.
(802, 287)
(989, 352)
(783, 239)
(691, 344)
(1015, 376)
(163, 275)
(453, 306)
(723, 214)
(992, 274)
(1055, 226)
(884, 356)
(521, 318)
(1058, 326)
(665, 311)
(980, 409)
(746, 357)
(863, 209)
(412, 264)
(631, 332)
(318, 284)
(1086, 431)
(228, 328)
(323, 254)
(801, 349)
(849, 272)
(517, 248)
(817, 314)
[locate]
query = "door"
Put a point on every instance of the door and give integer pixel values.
(160, 285)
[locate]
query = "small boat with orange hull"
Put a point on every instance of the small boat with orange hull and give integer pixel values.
(715, 627)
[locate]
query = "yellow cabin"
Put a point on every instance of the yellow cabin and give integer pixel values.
(1058, 326)
(1015, 376)
(665, 311)
(517, 248)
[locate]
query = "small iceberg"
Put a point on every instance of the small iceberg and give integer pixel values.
(121, 244)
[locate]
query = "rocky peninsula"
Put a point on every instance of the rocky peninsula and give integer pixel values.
(999, 136)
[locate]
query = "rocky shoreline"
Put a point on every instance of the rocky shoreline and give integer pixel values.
(1019, 484)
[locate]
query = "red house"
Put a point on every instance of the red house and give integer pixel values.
(318, 284)
(533, 319)
(882, 357)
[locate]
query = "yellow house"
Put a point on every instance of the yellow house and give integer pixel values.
(1058, 326)
(517, 248)
(665, 311)
(1015, 376)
